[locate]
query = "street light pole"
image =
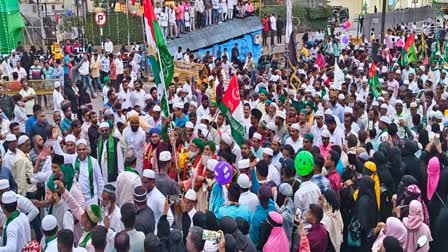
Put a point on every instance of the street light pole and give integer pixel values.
(383, 20)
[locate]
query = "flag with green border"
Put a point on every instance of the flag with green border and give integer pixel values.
(374, 82)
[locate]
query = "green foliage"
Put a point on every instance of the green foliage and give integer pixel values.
(310, 18)
(116, 29)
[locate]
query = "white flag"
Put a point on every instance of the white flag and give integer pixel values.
(288, 29)
(338, 76)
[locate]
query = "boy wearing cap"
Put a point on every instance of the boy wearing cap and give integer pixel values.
(16, 231)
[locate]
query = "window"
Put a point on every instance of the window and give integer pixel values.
(53, 7)
(34, 8)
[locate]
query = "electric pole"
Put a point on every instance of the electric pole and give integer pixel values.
(383, 20)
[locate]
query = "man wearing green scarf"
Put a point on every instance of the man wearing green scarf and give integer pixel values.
(16, 231)
(110, 155)
(50, 230)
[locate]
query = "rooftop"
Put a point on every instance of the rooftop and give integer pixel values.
(214, 34)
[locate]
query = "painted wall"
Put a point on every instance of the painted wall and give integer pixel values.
(245, 44)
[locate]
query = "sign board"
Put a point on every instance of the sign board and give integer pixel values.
(100, 18)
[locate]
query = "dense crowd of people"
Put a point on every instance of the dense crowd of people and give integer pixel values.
(325, 163)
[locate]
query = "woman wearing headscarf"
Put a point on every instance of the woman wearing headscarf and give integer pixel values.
(364, 216)
(411, 164)
(273, 236)
(416, 227)
(332, 219)
(228, 226)
(436, 188)
(371, 171)
(395, 165)
(387, 186)
(412, 192)
(394, 228)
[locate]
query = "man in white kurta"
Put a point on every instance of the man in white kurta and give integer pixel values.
(17, 227)
(58, 98)
(127, 180)
(84, 174)
(135, 138)
(49, 242)
(106, 156)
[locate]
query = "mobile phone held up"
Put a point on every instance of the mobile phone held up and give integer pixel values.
(208, 235)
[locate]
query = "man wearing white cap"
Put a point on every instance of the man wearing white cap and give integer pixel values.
(247, 198)
(58, 98)
(256, 148)
(17, 232)
(24, 205)
(127, 180)
(23, 168)
(273, 173)
(109, 154)
(317, 128)
(138, 95)
(227, 143)
(180, 119)
(155, 120)
(88, 174)
(294, 139)
(50, 229)
(165, 184)
(155, 199)
(188, 207)
(384, 122)
(10, 156)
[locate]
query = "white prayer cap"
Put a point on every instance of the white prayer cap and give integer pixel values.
(268, 151)
(57, 84)
(49, 223)
(226, 138)
(165, 156)
(319, 113)
(325, 133)
(9, 197)
(406, 82)
(295, 126)
(4, 183)
(348, 110)
(211, 78)
(341, 97)
(375, 103)
(72, 138)
(398, 71)
(195, 104)
(385, 119)
(189, 125)
(10, 137)
(179, 105)
(22, 139)
(438, 115)
(303, 86)
(204, 132)
(271, 126)
(148, 97)
(81, 141)
(104, 125)
(308, 89)
(108, 112)
(156, 108)
(280, 114)
(273, 104)
(244, 181)
(328, 111)
(292, 92)
(179, 90)
(422, 67)
(383, 106)
(148, 173)
(360, 99)
(257, 136)
(185, 89)
(413, 105)
(211, 163)
(381, 99)
(399, 101)
(243, 163)
(190, 195)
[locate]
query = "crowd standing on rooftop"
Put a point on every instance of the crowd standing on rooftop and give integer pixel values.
(337, 155)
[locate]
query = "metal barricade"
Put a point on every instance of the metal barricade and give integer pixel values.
(41, 87)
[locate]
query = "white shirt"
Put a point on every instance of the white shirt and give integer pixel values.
(201, 112)
(136, 140)
(125, 99)
(138, 98)
(337, 137)
(9, 159)
(163, 19)
(84, 68)
(57, 100)
(119, 64)
(178, 55)
(273, 174)
(273, 23)
(21, 73)
(296, 145)
(317, 133)
(308, 193)
(249, 199)
(18, 234)
(29, 104)
(115, 219)
(109, 47)
(51, 246)
(156, 201)
(119, 162)
(84, 182)
(126, 182)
